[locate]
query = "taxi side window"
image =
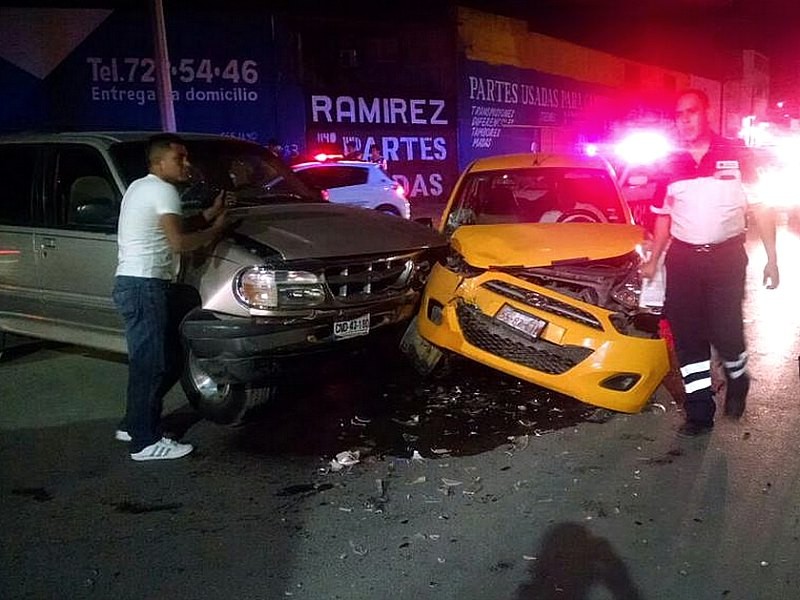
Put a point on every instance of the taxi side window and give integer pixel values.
(85, 195)
(17, 170)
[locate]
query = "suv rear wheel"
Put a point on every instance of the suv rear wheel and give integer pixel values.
(227, 403)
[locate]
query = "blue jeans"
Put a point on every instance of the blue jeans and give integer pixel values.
(154, 354)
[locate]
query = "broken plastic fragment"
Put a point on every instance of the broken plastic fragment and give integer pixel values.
(451, 482)
(345, 459)
(417, 457)
(358, 548)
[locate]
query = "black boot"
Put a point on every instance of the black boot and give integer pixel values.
(736, 395)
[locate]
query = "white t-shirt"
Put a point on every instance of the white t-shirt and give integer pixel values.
(143, 247)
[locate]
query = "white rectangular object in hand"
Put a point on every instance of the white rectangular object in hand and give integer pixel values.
(653, 290)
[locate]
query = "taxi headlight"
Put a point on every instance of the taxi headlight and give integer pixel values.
(262, 288)
(628, 291)
(458, 264)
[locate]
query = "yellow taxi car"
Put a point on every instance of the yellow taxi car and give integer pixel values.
(542, 282)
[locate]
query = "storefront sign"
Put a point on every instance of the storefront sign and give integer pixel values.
(415, 134)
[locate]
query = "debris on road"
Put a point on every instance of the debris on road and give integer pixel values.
(345, 459)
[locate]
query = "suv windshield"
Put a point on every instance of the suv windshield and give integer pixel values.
(247, 169)
(537, 195)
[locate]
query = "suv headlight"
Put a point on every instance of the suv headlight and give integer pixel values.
(262, 288)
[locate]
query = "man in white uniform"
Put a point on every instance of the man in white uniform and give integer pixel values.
(702, 215)
(151, 236)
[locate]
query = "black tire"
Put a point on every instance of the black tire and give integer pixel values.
(2, 343)
(226, 404)
(388, 209)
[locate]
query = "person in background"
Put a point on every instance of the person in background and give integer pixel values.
(151, 236)
(351, 152)
(376, 157)
(701, 217)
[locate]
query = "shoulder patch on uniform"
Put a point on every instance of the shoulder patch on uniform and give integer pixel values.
(727, 164)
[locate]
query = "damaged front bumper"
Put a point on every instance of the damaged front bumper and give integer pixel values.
(259, 349)
(542, 337)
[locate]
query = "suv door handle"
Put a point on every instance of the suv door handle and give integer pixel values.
(48, 243)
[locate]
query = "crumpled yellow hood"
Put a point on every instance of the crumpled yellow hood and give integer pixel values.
(542, 244)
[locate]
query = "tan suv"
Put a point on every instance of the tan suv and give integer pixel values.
(295, 275)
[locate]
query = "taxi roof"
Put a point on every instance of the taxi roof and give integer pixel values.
(538, 159)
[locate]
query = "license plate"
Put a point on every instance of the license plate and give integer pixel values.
(527, 324)
(351, 328)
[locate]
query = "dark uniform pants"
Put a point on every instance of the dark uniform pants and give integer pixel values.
(703, 304)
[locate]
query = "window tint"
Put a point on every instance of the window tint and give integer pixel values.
(229, 164)
(328, 177)
(17, 167)
(86, 197)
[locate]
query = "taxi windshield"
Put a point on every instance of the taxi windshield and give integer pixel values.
(537, 195)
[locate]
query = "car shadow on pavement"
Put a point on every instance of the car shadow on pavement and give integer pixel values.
(570, 562)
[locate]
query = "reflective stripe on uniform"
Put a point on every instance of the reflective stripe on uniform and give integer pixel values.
(736, 368)
(698, 367)
(696, 376)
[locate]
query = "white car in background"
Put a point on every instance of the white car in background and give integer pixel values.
(355, 182)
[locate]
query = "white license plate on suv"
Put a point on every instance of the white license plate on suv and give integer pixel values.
(521, 321)
(351, 328)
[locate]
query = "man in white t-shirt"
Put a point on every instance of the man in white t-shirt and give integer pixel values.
(151, 236)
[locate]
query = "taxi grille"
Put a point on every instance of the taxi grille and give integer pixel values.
(545, 303)
(502, 340)
(359, 281)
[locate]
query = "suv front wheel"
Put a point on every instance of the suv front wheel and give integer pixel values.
(223, 403)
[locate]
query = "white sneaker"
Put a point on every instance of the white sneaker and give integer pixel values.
(122, 436)
(163, 449)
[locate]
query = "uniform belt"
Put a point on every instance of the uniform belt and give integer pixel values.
(736, 240)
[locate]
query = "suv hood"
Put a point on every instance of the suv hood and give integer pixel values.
(300, 231)
(542, 244)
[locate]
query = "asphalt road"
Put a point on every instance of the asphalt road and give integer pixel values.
(516, 495)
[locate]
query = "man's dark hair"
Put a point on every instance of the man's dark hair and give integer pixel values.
(160, 143)
(699, 94)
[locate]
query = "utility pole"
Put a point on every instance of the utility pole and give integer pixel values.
(163, 82)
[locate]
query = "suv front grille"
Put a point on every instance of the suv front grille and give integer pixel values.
(358, 281)
(500, 339)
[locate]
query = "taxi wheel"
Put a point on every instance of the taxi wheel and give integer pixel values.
(223, 403)
(388, 209)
